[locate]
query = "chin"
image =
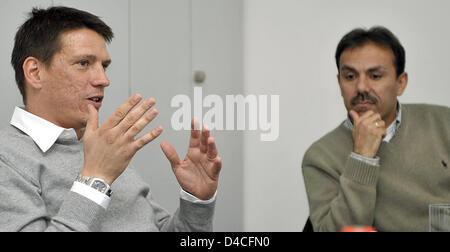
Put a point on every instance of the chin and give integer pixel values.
(361, 110)
(83, 119)
(84, 124)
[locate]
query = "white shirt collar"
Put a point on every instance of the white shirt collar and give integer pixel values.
(390, 131)
(43, 132)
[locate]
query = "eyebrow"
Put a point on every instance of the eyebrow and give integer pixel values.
(372, 69)
(348, 68)
(93, 58)
(376, 68)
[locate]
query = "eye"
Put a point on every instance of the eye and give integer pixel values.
(84, 63)
(349, 76)
(376, 76)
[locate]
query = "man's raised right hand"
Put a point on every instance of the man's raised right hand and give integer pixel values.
(108, 149)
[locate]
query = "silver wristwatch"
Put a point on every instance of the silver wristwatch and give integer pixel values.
(96, 183)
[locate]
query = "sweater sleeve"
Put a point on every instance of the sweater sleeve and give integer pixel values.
(339, 199)
(189, 217)
(23, 209)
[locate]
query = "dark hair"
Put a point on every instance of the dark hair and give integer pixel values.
(378, 35)
(39, 36)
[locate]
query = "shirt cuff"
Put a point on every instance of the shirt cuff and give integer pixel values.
(370, 161)
(92, 194)
(191, 198)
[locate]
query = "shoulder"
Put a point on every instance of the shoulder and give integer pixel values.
(425, 113)
(16, 152)
(12, 140)
(427, 108)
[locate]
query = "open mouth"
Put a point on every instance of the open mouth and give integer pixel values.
(96, 99)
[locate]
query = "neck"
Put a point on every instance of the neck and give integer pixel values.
(390, 117)
(38, 112)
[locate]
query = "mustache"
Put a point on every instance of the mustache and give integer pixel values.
(362, 97)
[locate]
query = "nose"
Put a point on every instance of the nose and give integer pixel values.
(363, 85)
(99, 78)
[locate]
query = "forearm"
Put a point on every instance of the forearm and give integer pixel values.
(348, 199)
(190, 217)
(22, 207)
(76, 214)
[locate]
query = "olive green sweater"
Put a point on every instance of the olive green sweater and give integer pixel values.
(394, 196)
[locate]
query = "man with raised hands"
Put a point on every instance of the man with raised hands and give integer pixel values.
(59, 169)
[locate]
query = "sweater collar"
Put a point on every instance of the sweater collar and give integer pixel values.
(390, 131)
(43, 132)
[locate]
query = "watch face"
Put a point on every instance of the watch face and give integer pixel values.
(99, 185)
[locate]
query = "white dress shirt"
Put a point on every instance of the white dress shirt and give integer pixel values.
(45, 134)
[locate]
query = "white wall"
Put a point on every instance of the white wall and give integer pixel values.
(289, 48)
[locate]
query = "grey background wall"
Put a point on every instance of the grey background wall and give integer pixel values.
(282, 47)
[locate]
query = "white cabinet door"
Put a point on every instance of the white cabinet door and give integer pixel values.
(217, 46)
(170, 40)
(161, 68)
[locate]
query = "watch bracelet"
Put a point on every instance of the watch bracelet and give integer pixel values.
(89, 181)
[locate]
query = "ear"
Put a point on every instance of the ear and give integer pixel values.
(402, 82)
(32, 69)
